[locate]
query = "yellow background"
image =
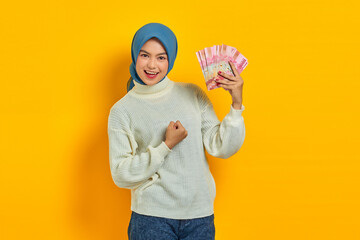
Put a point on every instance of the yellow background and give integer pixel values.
(65, 63)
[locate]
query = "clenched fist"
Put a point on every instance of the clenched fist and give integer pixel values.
(175, 133)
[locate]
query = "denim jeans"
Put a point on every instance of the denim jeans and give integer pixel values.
(143, 227)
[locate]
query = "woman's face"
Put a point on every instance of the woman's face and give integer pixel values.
(152, 59)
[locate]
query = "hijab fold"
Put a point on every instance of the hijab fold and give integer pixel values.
(146, 32)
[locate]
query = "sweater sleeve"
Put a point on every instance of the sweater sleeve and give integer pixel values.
(130, 169)
(221, 139)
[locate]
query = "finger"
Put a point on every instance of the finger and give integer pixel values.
(180, 126)
(224, 81)
(226, 87)
(179, 123)
(227, 76)
(233, 68)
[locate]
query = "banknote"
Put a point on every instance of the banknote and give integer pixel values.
(216, 58)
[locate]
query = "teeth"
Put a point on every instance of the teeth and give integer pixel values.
(153, 73)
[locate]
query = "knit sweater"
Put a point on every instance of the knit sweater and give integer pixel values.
(172, 183)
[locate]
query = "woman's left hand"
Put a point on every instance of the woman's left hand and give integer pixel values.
(232, 84)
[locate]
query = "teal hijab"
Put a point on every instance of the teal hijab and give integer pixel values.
(150, 30)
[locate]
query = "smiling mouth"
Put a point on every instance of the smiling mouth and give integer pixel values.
(150, 73)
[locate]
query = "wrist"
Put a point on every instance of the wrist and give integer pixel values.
(236, 105)
(170, 146)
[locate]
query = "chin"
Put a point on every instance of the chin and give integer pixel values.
(151, 82)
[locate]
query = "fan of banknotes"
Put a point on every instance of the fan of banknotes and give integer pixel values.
(216, 58)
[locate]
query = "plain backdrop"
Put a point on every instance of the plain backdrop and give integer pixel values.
(65, 63)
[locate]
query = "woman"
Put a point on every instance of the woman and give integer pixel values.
(157, 134)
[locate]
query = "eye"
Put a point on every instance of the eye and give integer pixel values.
(162, 58)
(143, 55)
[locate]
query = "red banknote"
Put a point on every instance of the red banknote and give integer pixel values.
(216, 58)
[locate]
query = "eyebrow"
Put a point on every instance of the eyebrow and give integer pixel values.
(150, 54)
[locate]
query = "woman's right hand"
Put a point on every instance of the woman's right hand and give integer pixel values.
(175, 133)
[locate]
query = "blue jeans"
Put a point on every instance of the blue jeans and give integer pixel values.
(143, 227)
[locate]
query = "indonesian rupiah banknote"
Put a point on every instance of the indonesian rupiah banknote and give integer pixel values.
(216, 58)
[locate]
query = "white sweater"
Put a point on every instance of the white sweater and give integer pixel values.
(172, 183)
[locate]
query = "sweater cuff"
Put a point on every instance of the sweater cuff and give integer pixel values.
(234, 118)
(163, 149)
(236, 113)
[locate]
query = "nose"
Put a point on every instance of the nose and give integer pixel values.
(151, 63)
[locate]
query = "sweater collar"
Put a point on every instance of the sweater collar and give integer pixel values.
(160, 87)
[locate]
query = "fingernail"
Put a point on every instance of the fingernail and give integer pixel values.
(220, 72)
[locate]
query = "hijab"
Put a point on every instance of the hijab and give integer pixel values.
(150, 30)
